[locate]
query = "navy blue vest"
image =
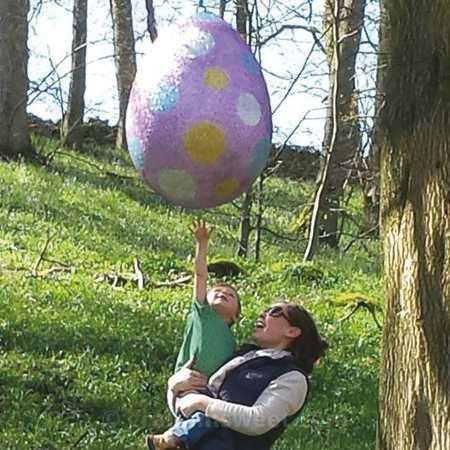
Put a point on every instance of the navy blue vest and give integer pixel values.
(245, 384)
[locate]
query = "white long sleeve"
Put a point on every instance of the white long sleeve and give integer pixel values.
(282, 398)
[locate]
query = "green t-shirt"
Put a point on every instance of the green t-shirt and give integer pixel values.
(208, 338)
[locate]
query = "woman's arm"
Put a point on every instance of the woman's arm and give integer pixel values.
(281, 399)
(184, 380)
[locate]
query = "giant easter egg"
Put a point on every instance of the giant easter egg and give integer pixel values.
(199, 124)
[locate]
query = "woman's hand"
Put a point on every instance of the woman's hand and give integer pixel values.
(191, 403)
(187, 379)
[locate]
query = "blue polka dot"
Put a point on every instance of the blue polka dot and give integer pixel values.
(259, 157)
(250, 63)
(136, 153)
(201, 44)
(164, 98)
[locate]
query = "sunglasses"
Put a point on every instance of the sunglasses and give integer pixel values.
(277, 311)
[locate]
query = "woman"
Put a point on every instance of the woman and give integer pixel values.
(258, 392)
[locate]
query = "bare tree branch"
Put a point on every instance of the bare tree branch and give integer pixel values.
(316, 34)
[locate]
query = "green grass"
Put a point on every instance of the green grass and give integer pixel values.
(84, 365)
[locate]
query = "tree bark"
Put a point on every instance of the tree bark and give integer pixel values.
(351, 19)
(245, 224)
(151, 22)
(319, 199)
(73, 119)
(125, 57)
(14, 137)
(371, 171)
(415, 217)
(259, 216)
(246, 208)
(241, 18)
(222, 7)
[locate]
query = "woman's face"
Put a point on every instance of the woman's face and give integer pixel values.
(272, 328)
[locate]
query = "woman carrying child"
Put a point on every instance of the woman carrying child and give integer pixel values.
(248, 402)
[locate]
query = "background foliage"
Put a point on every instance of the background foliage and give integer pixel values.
(84, 364)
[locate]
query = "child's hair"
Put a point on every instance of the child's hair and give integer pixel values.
(309, 347)
(230, 286)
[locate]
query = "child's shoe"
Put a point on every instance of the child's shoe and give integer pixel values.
(166, 441)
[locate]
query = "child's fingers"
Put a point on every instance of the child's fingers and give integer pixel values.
(194, 226)
(188, 364)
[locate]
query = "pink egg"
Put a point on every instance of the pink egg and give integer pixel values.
(199, 124)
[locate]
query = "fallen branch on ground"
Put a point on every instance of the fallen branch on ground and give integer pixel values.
(139, 275)
(118, 280)
(42, 253)
(362, 304)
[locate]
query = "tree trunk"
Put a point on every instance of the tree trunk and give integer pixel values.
(14, 137)
(246, 208)
(73, 119)
(349, 136)
(125, 57)
(222, 7)
(415, 215)
(151, 22)
(245, 224)
(371, 171)
(259, 216)
(319, 199)
(241, 18)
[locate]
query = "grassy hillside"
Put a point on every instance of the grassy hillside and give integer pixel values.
(85, 354)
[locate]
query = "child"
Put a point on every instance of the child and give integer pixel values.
(208, 339)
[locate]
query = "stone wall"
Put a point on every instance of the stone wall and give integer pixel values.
(297, 163)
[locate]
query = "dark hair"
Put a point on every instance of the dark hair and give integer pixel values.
(309, 347)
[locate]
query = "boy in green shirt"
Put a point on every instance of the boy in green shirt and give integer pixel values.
(208, 339)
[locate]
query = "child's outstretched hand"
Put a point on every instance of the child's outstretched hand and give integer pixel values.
(201, 231)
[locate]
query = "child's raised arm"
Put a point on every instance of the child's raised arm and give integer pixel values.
(201, 231)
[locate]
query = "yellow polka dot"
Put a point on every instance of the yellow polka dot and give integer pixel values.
(204, 142)
(216, 78)
(227, 187)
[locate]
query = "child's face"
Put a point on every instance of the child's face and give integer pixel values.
(225, 302)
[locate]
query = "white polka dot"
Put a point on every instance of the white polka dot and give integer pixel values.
(249, 109)
(191, 43)
(177, 184)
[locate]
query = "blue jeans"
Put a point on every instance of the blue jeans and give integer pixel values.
(199, 432)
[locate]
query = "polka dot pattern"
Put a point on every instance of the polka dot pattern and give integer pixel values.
(177, 184)
(136, 153)
(216, 78)
(227, 187)
(164, 98)
(250, 63)
(199, 121)
(201, 45)
(259, 157)
(204, 142)
(249, 109)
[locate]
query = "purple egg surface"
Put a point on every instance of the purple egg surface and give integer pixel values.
(199, 124)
